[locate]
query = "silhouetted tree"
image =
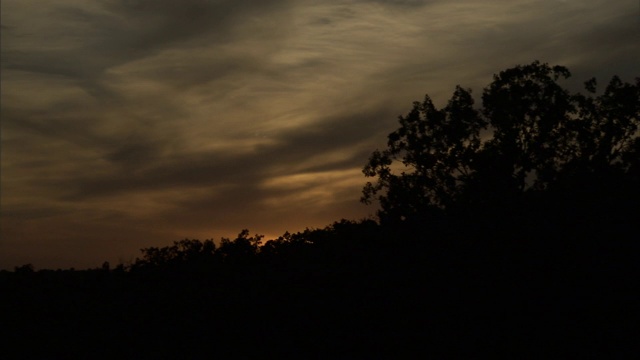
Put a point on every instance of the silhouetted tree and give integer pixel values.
(241, 249)
(429, 158)
(531, 135)
(24, 269)
(181, 252)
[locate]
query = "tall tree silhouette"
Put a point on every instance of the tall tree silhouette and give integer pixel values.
(531, 135)
(436, 150)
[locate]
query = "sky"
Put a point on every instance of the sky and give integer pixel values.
(134, 123)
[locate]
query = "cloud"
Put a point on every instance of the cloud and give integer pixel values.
(82, 41)
(143, 120)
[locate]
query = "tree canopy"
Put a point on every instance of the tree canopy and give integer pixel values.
(531, 136)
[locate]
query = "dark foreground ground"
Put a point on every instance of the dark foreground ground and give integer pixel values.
(348, 291)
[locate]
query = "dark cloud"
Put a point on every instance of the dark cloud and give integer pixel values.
(135, 152)
(84, 42)
(130, 123)
(142, 165)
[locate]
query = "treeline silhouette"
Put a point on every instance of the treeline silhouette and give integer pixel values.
(509, 231)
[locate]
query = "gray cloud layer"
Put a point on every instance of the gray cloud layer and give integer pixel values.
(134, 123)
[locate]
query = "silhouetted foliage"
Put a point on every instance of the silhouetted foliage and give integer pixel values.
(180, 253)
(24, 269)
(240, 250)
(531, 135)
